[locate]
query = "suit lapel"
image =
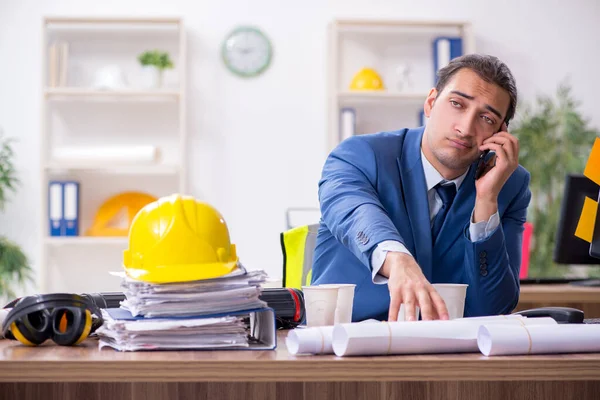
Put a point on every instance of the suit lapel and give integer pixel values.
(414, 190)
(459, 212)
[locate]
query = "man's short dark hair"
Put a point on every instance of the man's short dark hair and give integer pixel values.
(490, 69)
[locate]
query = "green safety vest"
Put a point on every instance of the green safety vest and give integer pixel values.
(298, 247)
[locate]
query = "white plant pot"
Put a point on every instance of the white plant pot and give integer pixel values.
(150, 77)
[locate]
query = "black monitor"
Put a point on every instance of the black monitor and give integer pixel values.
(569, 249)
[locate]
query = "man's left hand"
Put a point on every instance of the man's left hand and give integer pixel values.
(489, 185)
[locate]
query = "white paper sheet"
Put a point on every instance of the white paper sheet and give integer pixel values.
(159, 308)
(495, 340)
(199, 333)
(419, 337)
(237, 291)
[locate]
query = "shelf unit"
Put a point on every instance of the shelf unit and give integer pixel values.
(114, 169)
(79, 112)
(78, 94)
(83, 241)
(384, 46)
(349, 97)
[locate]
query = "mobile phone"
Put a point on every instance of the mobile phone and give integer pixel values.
(486, 156)
(484, 159)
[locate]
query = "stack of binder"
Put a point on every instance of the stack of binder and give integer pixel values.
(445, 49)
(63, 208)
(220, 313)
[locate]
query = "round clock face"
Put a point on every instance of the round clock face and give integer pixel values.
(247, 52)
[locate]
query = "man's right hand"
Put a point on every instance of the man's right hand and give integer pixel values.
(408, 285)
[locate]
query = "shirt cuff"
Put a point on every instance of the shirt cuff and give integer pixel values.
(483, 229)
(378, 257)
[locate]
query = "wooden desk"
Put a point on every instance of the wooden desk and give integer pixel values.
(52, 372)
(586, 299)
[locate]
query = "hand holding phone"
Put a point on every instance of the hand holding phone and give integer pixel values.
(484, 160)
(499, 158)
(487, 156)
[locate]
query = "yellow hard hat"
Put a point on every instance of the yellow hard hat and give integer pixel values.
(123, 206)
(367, 79)
(178, 239)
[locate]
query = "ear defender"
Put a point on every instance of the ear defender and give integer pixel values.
(64, 318)
(31, 329)
(70, 325)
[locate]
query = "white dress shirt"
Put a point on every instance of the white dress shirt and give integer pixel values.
(480, 231)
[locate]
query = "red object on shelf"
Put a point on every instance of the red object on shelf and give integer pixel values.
(525, 250)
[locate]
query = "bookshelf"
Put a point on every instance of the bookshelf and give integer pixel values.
(391, 48)
(120, 112)
(79, 94)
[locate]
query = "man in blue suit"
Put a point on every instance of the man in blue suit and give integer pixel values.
(402, 210)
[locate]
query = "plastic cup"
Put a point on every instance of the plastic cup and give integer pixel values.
(320, 303)
(454, 295)
(402, 313)
(345, 301)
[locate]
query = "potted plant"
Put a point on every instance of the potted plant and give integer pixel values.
(154, 63)
(554, 140)
(14, 265)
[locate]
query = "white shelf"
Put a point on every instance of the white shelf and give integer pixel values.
(115, 169)
(130, 23)
(86, 240)
(408, 28)
(394, 24)
(77, 113)
(76, 29)
(73, 93)
(370, 96)
(385, 46)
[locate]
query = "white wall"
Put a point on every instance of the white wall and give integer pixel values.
(257, 146)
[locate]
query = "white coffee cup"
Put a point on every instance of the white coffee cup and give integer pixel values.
(320, 303)
(402, 313)
(454, 295)
(345, 301)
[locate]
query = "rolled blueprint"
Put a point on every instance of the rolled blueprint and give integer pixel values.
(315, 340)
(419, 337)
(499, 340)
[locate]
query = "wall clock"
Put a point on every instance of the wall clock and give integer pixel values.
(247, 51)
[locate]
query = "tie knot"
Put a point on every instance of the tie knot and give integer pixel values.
(446, 192)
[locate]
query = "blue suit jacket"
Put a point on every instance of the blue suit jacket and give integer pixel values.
(373, 189)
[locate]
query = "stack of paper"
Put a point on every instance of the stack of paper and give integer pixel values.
(123, 333)
(224, 312)
(237, 291)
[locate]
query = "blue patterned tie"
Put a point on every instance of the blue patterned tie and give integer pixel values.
(446, 193)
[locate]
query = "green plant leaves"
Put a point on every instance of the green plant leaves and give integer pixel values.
(14, 267)
(156, 58)
(8, 178)
(554, 140)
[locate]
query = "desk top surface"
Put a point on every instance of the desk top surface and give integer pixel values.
(560, 293)
(85, 363)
